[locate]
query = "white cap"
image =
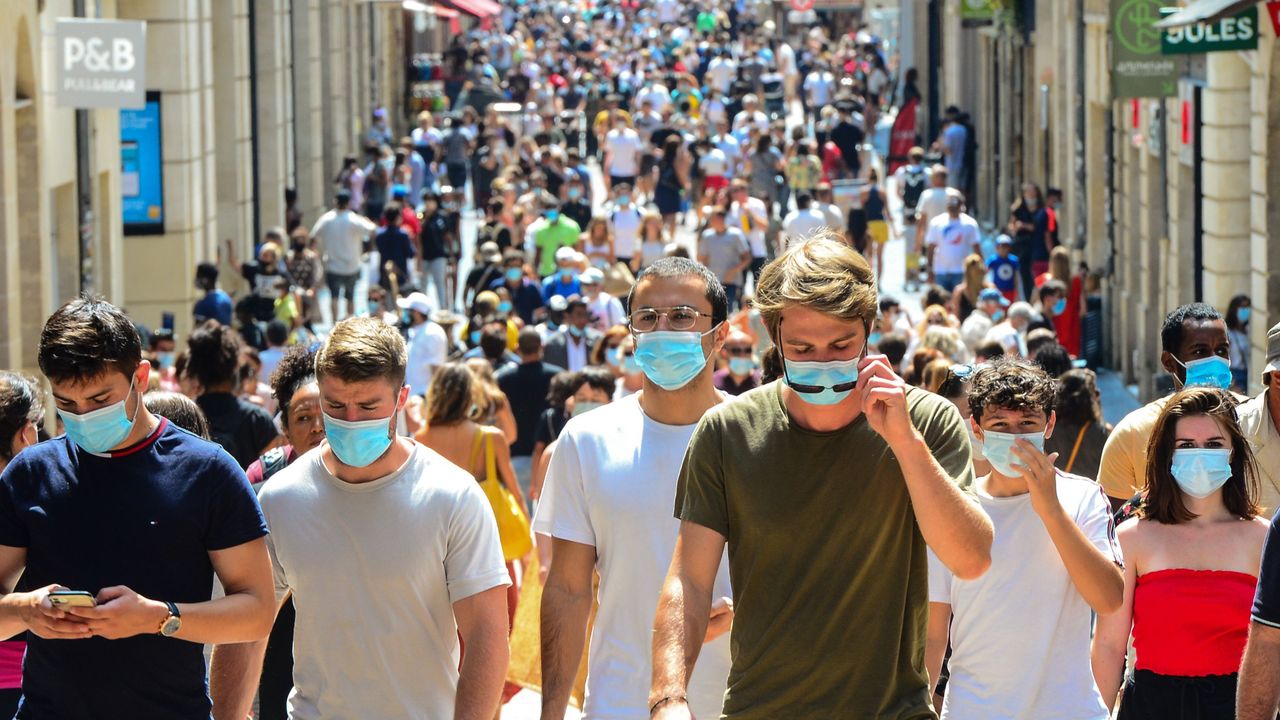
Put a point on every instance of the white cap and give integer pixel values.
(416, 301)
(566, 254)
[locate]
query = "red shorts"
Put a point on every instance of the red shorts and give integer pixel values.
(716, 182)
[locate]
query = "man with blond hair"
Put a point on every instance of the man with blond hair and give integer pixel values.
(826, 488)
(392, 553)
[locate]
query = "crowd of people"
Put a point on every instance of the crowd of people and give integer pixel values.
(667, 448)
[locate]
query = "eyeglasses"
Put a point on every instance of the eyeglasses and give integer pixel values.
(682, 317)
(738, 351)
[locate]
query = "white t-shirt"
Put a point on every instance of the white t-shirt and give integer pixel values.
(270, 360)
(722, 72)
(714, 163)
(744, 120)
(955, 240)
(713, 112)
(756, 233)
(668, 11)
(375, 569)
(933, 202)
(625, 223)
(818, 85)
(658, 96)
(428, 348)
(340, 236)
(732, 149)
(800, 224)
(612, 485)
(607, 311)
(624, 146)
(1020, 633)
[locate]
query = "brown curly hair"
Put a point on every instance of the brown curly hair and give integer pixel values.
(1010, 384)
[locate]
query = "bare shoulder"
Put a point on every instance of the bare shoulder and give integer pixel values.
(1259, 526)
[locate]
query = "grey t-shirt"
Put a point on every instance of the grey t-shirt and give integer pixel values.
(723, 251)
(375, 569)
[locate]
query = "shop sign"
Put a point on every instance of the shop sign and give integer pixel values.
(100, 63)
(1138, 68)
(1237, 32)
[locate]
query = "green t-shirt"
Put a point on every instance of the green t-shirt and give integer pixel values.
(552, 237)
(827, 562)
(706, 22)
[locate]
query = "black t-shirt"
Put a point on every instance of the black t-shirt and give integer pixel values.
(1266, 603)
(147, 517)
(435, 228)
(550, 423)
(394, 245)
(526, 387)
(847, 137)
(239, 426)
(579, 211)
(482, 276)
(494, 231)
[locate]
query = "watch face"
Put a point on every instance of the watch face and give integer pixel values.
(171, 626)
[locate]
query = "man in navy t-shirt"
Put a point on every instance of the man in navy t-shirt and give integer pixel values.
(140, 515)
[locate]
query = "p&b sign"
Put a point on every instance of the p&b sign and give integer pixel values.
(101, 63)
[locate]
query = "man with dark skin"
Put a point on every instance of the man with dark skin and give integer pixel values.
(1194, 351)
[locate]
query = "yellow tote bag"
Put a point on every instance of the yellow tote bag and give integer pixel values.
(513, 523)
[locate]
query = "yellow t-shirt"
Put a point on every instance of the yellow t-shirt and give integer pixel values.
(1123, 471)
(1260, 430)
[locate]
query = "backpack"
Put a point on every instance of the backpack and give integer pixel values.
(913, 187)
(273, 462)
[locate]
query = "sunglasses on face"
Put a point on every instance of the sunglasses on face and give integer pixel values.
(738, 351)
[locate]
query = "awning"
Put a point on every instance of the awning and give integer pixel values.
(437, 10)
(478, 8)
(1203, 10)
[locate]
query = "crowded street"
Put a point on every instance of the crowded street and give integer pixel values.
(625, 359)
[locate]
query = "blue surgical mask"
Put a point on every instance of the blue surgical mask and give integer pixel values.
(630, 364)
(581, 407)
(102, 429)
(475, 337)
(375, 308)
(874, 338)
(826, 375)
(553, 216)
(165, 359)
(504, 307)
(624, 200)
(1060, 306)
(576, 331)
(614, 356)
(1242, 314)
(1212, 371)
(574, 193)
(997, 448)
(741, 365)
(514, 274)
(671, 358)
(997, 315)
(358, 443)
(1200, 471)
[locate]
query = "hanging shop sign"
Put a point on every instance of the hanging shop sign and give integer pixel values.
(100, 63)
(1138, 67)
(1236, 32)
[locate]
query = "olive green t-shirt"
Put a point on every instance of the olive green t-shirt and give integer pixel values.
(827, 562)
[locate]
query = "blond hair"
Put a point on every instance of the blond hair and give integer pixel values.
(360, 349)
(821, 273)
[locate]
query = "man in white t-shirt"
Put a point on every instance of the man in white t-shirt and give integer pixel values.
(608, 501)
(668, 11)
(1020, 633)
(728, 144)
(604, 309)
(428, 345)
(340, 237)
(625, 221)
(932, 202)
(951, 238)
(750, 117)
(392, 555)
(623, 147)
(818, 87)
(802, 222)
(751, 215)
(721, 72)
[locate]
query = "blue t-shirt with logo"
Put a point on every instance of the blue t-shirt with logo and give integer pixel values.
(1004, 272)
(145, 517)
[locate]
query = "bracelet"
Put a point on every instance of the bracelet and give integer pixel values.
(667, 701)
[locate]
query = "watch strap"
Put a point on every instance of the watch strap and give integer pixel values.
(173, 609)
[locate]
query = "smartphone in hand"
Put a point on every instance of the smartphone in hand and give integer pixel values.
(71, 598)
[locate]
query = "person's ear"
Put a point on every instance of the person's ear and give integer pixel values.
(1053, 420)
(977, 429)
(1172, 366)
(402, 398)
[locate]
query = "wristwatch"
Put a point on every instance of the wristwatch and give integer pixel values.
(173, 623)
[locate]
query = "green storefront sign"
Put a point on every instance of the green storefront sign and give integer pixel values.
(1138, 67)
(1238, 32)
(978, 10)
